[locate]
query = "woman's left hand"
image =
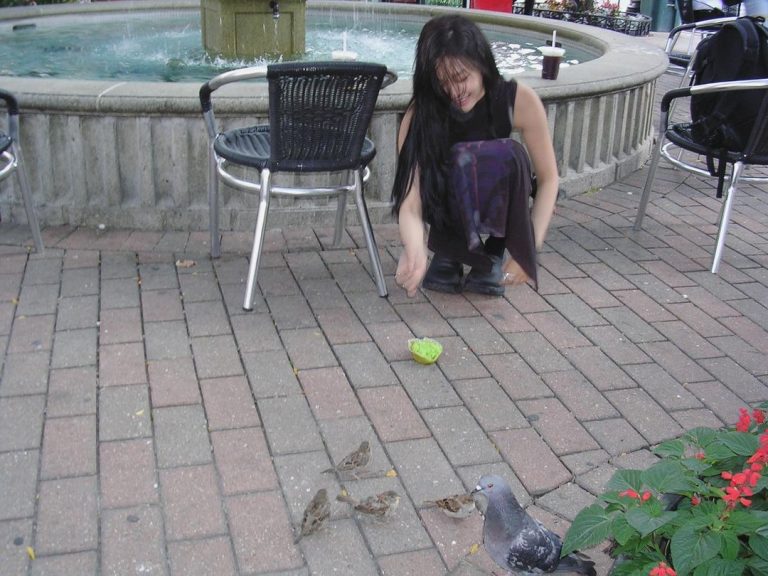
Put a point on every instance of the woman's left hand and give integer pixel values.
(514, 274)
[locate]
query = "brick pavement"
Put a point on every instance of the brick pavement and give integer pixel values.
(149, 425)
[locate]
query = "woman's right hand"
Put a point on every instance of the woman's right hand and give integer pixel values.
(411, 268)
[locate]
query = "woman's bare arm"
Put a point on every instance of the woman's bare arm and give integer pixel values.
(412, 265)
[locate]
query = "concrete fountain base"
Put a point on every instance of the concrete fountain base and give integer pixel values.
(134, 154)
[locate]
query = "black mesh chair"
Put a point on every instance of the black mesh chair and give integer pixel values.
(674, 138)
(319, 113)
(11, 161)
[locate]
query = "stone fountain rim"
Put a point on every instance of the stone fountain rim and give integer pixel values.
(607, 73)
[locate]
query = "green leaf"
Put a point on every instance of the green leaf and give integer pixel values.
(590, 527)
(701, 436)
(720, 567)
(667, 476)
(691, 548)
(671, 449)
(762, 484)
(644, 522)
(731, 545)
(621, 531)
(758, 565)
(741, 443)
(759, 545)
(718, 452)
(695, 465)
(624, 480)
(632, 567)
(749, 522)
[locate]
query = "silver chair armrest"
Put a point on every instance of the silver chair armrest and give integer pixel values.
(236, 76)
(755, 84)
(389, 78)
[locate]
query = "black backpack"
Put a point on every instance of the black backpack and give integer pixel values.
(738, 51)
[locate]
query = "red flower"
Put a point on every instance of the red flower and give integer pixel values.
(700, 455)
(646, 496)
(662, 570)
(744, 420)
(695, 500)
(758, 415)
(629, 493)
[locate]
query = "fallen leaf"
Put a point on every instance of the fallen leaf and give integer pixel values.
(392, 473)
(15, 301)
(475, 548)
(140, 412)
(185, 263)
(343, 492)
(31, 552)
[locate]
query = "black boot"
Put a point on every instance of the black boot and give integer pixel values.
(443, 275)
(488, 283)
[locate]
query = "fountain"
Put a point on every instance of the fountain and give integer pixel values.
(133, 154)
(247, 29)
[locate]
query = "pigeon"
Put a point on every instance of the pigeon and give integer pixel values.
(518, 542)
(353, 462)
(457, 506)
(316, 514)
(379, 507)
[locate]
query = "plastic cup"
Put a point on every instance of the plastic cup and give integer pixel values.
(551, 61)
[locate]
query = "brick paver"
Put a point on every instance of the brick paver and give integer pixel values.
(149, 424)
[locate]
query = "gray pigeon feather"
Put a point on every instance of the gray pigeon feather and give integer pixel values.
(518, 542)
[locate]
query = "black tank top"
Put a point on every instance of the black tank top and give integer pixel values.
(488, 119)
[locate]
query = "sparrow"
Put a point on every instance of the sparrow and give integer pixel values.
(457, 506)
(353, 462)
(316, 514)
(518, 542)
(379, 506)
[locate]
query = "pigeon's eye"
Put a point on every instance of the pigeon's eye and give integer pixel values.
(490, 485)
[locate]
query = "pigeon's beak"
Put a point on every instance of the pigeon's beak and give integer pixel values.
(477, 489)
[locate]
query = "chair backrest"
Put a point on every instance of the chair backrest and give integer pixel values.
(319, 113)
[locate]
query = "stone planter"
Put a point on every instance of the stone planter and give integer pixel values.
(630, 24)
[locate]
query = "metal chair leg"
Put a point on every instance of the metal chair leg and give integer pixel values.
(258, 238)
(341, 218)
(213, 204)
(373, 251)
(26, 194)
(656, 155)
(725, 216)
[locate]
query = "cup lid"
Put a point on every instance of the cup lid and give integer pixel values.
(551, 50)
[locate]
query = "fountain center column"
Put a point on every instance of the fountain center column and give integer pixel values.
(249, 29)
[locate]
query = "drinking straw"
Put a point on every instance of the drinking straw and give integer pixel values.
(554, 38)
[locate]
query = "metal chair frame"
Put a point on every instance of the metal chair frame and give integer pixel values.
(11, 158)
(355, 177)
(738, 160)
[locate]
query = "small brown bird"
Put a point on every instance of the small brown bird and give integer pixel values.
(355, 461)
(379, 506)
(316, 514)
(456, 506)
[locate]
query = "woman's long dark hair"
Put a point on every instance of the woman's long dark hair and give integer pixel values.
(426, 144)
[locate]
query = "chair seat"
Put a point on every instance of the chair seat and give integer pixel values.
(5, 142)
(251, 147)
(681, 135)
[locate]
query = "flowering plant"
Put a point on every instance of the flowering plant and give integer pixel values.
(701, 510)
(608, 7)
